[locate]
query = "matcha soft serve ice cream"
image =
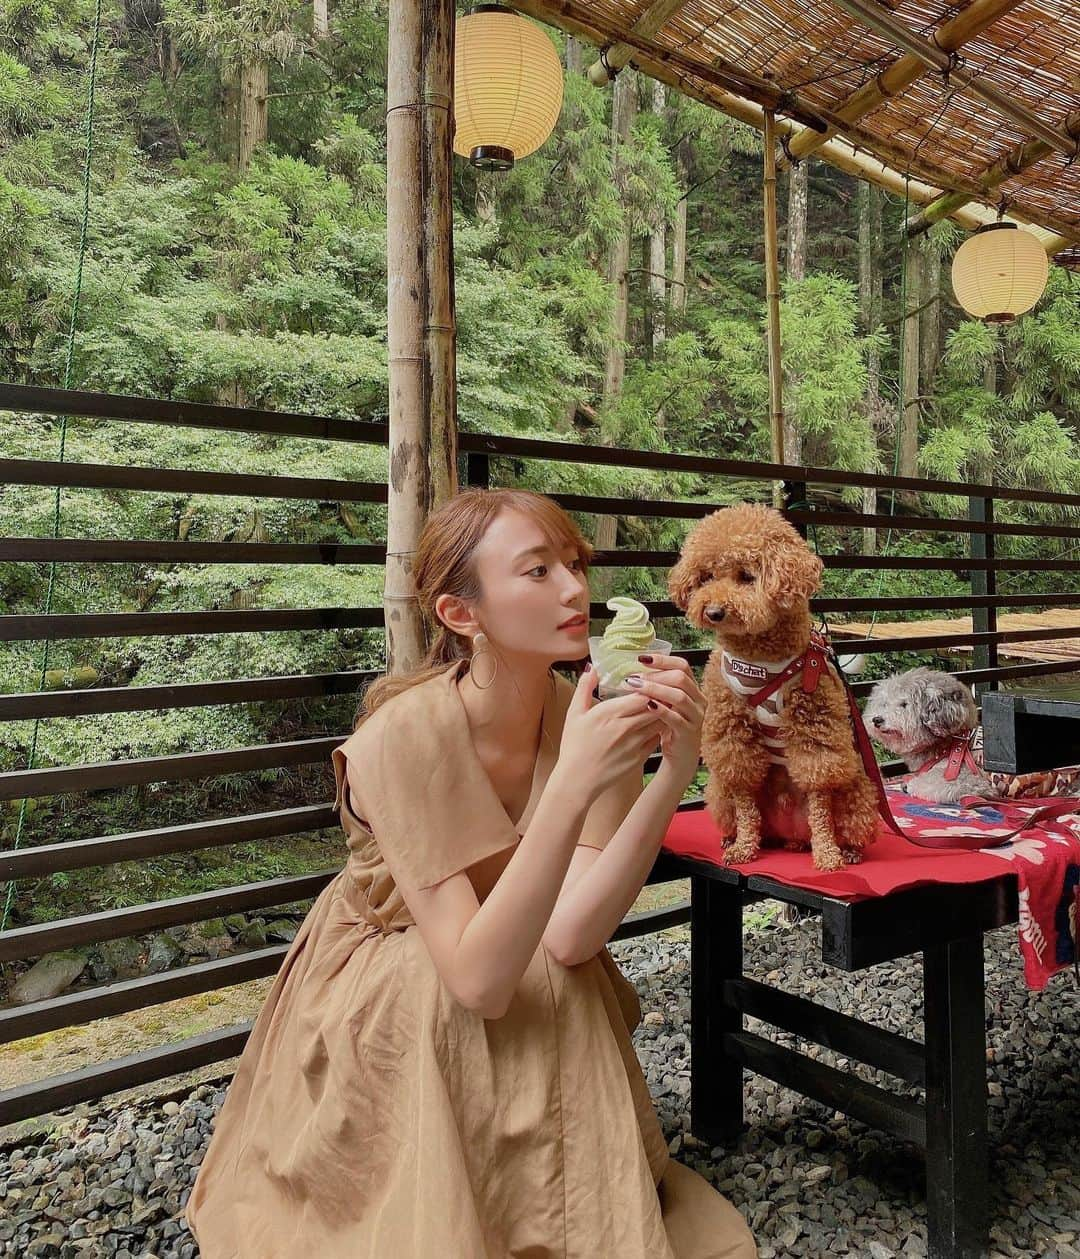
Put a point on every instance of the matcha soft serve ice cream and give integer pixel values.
(615, 652)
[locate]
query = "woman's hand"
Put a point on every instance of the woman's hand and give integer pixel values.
(673, 686)
(602, 741)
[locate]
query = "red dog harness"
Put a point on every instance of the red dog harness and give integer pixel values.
(812, 664)
(740, 674)
(961, 752)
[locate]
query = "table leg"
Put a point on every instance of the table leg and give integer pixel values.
(957, 1164)
(716, 955)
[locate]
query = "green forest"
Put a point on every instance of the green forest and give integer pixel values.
(610, 291)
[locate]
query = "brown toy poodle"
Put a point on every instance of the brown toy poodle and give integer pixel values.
(786, 768)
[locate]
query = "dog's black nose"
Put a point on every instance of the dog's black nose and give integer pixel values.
(878, 721)
(715, 614)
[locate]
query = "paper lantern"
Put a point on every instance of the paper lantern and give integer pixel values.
(508, 87)
(999, 272)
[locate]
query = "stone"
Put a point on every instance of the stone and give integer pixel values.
(48, 977)
(124, 957)
(253, 935)
(165, 952)
(283, 929)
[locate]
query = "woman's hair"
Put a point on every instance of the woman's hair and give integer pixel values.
(444, 565)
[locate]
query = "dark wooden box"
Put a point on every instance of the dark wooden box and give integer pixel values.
(1022, 733)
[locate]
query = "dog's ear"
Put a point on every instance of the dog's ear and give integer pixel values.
(946, 706)
(682, 582)
(791, 572)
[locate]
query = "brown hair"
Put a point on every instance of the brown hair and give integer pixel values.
(444, 565)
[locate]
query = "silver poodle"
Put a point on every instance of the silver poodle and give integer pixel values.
(919, 715)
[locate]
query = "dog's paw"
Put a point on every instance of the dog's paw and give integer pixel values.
(739, 854)
(829, 863)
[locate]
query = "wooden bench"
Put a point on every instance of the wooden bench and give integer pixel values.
(946, 923)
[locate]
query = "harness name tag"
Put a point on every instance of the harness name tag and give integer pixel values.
(745, 669)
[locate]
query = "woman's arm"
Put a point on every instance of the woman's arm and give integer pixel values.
(482, 951)
(601, 886)
(500, 939)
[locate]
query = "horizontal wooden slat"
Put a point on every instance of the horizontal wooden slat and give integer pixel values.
(653, 920)
(666, 508)
(78, 854)
(928, 642)
(887, 563)
(214, 621)
(609, 456)
(82, 703)
(88, 1004)
(186, 481)
(929, 603)
(834, 1089)
(937, 563)
(111, 924)
(45, 472)
(134, 699)
(17, 784)
(241, 419)
(151, 551)
(928, 524)
(971, 676)
(89, 1083)
(180, 414)
(898, 1055)
(56, 626)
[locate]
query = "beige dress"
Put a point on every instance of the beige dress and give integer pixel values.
(373, 1115)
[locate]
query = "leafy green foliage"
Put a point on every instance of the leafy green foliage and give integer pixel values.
(268, 290)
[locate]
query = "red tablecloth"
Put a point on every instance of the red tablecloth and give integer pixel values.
(1045, 859)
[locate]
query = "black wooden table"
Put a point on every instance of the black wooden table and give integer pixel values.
(946, 924)
(1023, 732)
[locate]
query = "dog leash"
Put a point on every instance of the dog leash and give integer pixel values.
(812, 664)
(959, 755)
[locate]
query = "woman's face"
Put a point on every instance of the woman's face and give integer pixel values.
(534, 596)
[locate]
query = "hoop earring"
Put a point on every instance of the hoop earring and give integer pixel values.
(481, 647)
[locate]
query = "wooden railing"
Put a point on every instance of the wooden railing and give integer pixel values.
(477, 452)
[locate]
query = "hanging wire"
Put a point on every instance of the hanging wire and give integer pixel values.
(88, 128)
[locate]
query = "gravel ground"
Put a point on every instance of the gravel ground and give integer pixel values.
(811, 1183)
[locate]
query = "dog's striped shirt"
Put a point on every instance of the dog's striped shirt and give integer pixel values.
(746, 678)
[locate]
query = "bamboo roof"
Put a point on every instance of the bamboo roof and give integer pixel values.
(974, 106)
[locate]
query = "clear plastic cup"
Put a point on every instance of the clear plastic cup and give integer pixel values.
(614, 665)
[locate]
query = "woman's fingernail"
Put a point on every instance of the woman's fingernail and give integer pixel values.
(635, 679)
(653, 704)
(588, 667)
(645, 659)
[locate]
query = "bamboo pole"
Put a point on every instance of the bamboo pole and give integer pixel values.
(909, 384)
(420, 332)
(949, 36)
(881, 20)
(619, 55)
(1016, 160)
(440, 331)
(772, 300)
